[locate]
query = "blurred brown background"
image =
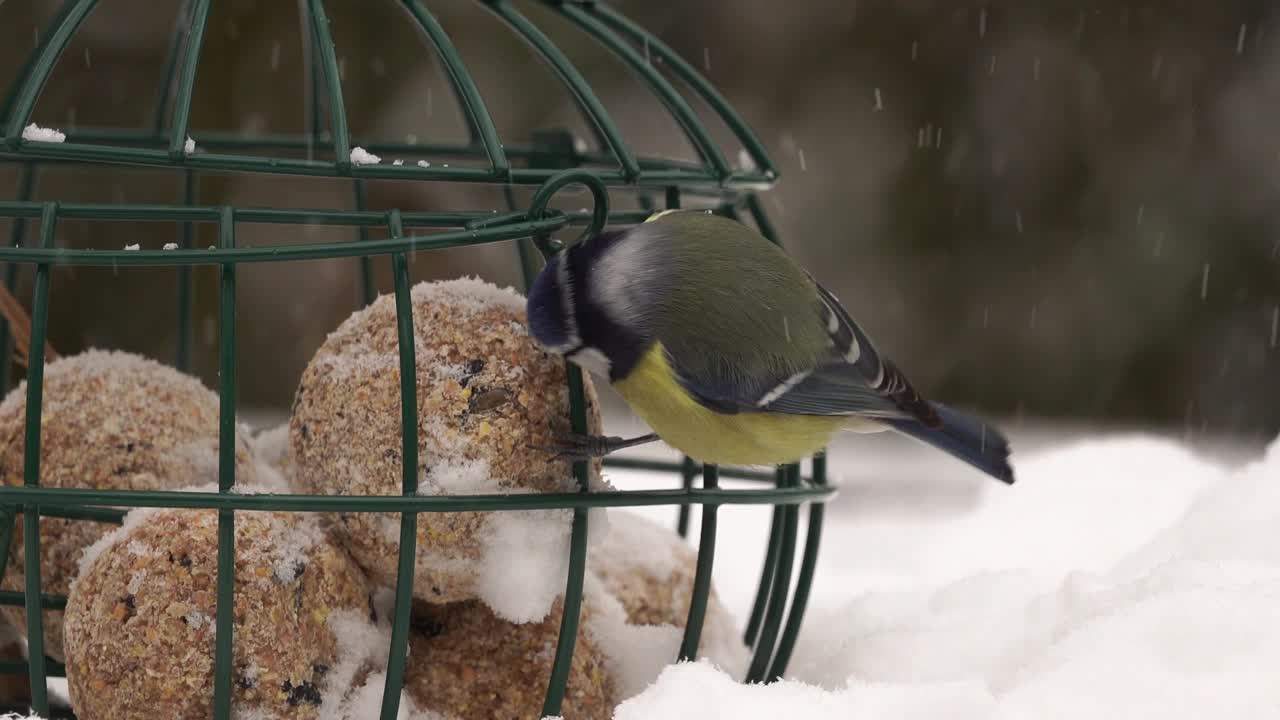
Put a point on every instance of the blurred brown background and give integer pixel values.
(1041, 209)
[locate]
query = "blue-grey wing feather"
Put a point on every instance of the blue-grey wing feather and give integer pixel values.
(849, 380)
(835, 389)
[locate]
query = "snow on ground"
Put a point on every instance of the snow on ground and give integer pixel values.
(1123, 576)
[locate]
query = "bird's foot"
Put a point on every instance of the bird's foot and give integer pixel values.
(579, 446)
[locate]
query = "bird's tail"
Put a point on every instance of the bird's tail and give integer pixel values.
(965, 437)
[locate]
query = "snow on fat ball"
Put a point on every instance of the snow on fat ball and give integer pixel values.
(467, 663)
(114, 421)
(650, 570)
(149, 596)
(486, 397)
(35, 133)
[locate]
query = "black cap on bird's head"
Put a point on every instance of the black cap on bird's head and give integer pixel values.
(550, 308)
(564, 319)
(557, 301)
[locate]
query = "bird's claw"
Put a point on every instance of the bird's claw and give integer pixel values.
(580, 446)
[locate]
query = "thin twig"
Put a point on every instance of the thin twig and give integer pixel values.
(20, 328)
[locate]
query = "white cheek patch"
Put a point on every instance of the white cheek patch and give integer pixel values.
(593, 361)
(565, 280)
(621, 276)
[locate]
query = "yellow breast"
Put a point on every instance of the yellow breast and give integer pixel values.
(746, 438)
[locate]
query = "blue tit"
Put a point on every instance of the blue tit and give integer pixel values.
(730, 351)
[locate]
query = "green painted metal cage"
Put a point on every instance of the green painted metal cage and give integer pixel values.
(549, 163)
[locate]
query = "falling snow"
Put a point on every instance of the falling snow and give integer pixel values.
(1275, 324)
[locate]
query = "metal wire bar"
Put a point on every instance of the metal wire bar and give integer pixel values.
(182, 355)
(92, 514)
(528, 254)
(702, 575)
(333, 86)
(688, 470)
(669, 466)
(11, 95)
(368, 291)
(70, 497)
(750, 142)
(48, 601)
(684, 115)
(8, 523)
(31, 465)
(56, 669)
(472, 220)
(406, 562)
(752, 630)
(571, 608)
(763, 224)
(781, 585)
(572, 604)
(82, 152)
(573, 80)
(473, 105)
(17, 234)
(312, 118)
(176, 40)
(215, 139)
(410, 243)
(38, 73)
(804, 581)
(187, 81)
(124, 140)
(224, 628)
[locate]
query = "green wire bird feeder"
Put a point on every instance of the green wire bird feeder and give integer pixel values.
(551, 162)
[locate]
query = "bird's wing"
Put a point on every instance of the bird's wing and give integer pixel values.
(856, 380)
(847, 377)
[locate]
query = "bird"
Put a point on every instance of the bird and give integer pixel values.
(729, 350)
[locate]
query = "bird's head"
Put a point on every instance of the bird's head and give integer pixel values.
(563, 317)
